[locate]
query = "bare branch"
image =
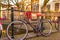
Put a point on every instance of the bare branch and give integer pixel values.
(12, 2)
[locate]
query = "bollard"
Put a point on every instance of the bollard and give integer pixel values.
(12, 19)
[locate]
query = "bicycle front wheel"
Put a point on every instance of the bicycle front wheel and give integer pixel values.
(46, 27)
(17, 30)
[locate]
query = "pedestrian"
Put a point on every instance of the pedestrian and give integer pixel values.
(1, 28)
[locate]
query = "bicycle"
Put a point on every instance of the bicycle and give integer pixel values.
(40, 29)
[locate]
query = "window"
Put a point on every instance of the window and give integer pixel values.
(48, 6)
(57, 7)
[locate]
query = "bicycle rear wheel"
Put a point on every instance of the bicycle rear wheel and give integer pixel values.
(46, 27)
(19, 30)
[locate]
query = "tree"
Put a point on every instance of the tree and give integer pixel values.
(44, 5)
(45, 2)
(17, 2)
(0, 8)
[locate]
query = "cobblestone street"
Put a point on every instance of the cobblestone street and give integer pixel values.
(53, 36)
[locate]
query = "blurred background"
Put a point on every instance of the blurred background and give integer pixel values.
(51, 9)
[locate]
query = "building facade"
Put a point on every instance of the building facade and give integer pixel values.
(26, 5)
(55, 6)
(53, 10)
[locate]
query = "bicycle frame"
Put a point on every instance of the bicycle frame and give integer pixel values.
(38, 26)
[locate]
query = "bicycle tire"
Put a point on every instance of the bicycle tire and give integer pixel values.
(9, 37)
(44, 27)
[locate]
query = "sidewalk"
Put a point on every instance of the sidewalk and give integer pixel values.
(53, 36)
(5, 38)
